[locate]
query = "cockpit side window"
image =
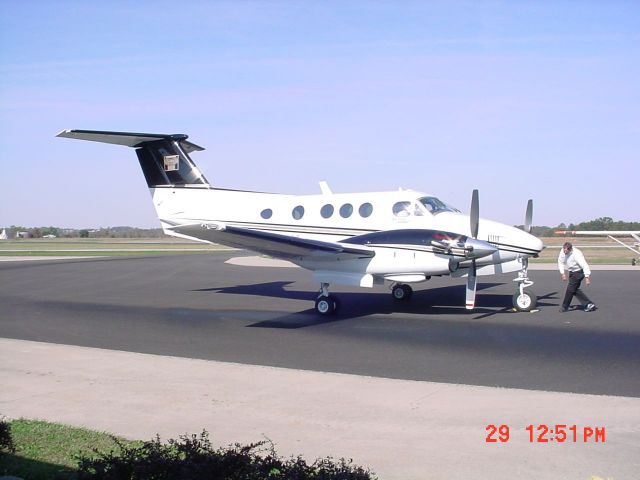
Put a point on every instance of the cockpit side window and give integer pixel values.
(407, 209)
(417, 210)
(435, 205)
(402, 209)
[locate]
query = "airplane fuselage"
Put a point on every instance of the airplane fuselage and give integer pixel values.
(338, 217)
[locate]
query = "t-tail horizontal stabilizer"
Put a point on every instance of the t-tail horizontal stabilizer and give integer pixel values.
(164, 158)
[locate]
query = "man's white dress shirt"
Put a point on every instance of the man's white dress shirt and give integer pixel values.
(573, 261)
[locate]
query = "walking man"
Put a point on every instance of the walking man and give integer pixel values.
(572, 260)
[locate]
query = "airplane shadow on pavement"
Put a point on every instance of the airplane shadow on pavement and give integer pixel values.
(446, 300)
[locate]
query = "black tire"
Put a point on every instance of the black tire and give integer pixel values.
(525, 302)
(326, 305)
(402, 292)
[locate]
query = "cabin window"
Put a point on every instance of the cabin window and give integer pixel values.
(326, 211)
(402, 209)
(298, 212)
(266, 213)
(365, 210)
(346, 210)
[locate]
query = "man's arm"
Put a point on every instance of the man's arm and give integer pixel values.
(561, 259)
(582, 262)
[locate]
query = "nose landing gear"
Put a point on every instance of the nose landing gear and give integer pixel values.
(524, 300)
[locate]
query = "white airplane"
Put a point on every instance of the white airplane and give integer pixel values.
(612, 234)
(359, 239)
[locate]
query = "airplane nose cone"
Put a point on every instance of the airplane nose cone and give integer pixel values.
(533, 243)
(529, 244)
(537, 244)
(479, 248)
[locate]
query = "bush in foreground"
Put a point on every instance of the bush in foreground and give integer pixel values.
(6, 441)
(194, 457)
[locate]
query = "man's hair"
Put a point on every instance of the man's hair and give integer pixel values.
(567, 245)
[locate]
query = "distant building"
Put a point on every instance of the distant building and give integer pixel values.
(23, 235)
(3, 235)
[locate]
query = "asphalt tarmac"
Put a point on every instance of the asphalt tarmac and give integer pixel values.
(198, 306)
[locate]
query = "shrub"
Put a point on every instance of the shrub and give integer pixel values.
(6, 442)
(194, 457)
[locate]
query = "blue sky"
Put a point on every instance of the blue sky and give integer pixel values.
(518, 99)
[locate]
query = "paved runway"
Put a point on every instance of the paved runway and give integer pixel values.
(199, 307)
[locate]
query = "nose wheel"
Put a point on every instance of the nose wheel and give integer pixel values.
(524, 300)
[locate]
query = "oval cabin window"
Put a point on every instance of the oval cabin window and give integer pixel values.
(365, 210)
(346, 210)
(298, 212)
(326, 211)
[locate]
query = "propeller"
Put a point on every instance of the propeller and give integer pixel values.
(474, 218)
(474, 214)
(528, 216)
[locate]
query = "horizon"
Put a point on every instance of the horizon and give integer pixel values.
(111, 227)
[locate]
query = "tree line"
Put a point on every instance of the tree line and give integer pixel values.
(602, 223)
(16, 231)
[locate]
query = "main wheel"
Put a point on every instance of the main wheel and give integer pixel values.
(326, 305)
(402, 292)
(524, 302)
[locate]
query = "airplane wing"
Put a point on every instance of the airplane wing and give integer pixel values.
(273, 244)
(612, 234)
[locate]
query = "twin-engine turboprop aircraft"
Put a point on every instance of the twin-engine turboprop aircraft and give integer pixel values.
(361, 239)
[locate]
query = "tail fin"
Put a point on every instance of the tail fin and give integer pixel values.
(164, 158)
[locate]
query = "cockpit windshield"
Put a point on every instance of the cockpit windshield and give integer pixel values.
(435, 205)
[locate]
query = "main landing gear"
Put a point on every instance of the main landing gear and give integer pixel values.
(401, 292)
(524, 300)
(326, 304)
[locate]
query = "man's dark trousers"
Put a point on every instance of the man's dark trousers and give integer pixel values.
(575, 279)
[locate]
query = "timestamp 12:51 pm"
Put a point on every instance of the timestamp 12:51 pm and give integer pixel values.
(542, 433)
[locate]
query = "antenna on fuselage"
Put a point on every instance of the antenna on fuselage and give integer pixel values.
(324, 188)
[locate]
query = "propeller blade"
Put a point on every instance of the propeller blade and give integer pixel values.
(474, 214)
(528, 216)
(471, 287)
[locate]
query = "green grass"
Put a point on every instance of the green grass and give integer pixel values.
(103, 247)
(49, 451)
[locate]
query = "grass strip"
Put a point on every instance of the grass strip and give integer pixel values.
(50, 451)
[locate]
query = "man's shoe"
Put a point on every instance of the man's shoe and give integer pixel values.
(563, 309)
(590, 307)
